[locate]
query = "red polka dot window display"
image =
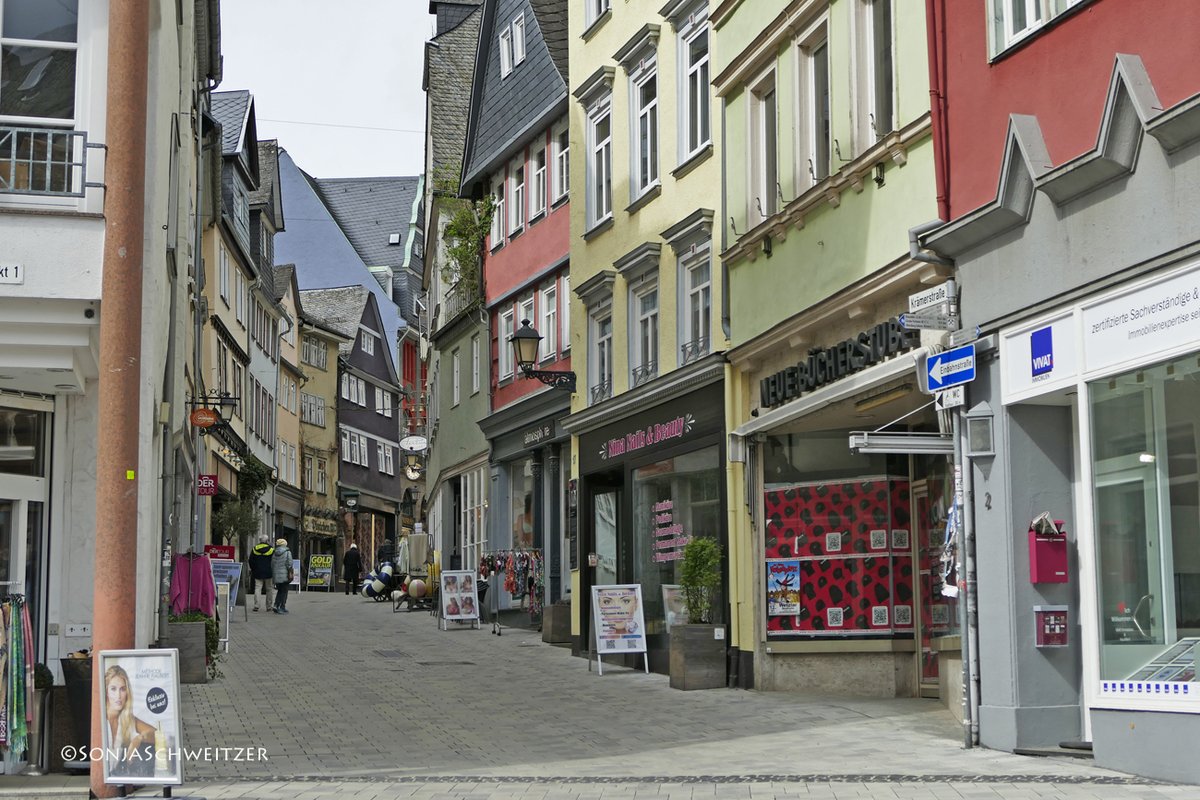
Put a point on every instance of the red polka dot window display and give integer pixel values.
(849, 544)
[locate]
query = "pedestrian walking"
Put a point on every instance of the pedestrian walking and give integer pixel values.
(351, 568)
(260, 572)
(281, 573)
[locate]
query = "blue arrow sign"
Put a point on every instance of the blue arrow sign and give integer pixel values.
(951, 367)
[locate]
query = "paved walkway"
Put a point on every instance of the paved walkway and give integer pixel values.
(348, 699)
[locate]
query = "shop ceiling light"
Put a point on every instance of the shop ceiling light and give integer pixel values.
(1146, 458)
(914, 442)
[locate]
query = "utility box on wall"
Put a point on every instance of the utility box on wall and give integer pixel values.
(1051, 625)
(1048, 554)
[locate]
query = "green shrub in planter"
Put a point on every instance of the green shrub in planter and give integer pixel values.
(700, 578)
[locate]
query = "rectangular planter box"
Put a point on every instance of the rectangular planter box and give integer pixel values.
(556, 624)
(188, 638)
(697, 657)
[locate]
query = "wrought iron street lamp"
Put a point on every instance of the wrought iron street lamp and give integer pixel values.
(526, 342)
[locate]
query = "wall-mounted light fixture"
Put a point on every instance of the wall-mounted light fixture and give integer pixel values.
(526, 342)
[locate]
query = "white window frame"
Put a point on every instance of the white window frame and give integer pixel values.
(83, 21)
(455, 385)
(564, 324)
(504, 345)
(223, 272)
(241, 211)
(308, 472)
(643, 167)
(537, 197)
(1002, 31)
(549, 322)
(689, 330)
(600, 366)
(499, 191)
(322, 476)
(599, 166)
(506, 52)
(594, 9)
(345, 385)
(559, 135)
(526, 311)
(869, 99)
(814, 157)
(643, 349)
(346, 446)
(694, 106)
(368, 343)
(516, 205)
(475, 364)
(764, 149)
(518, 39)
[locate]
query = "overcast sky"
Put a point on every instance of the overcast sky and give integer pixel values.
(349, 63)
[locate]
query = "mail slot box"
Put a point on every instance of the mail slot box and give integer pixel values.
(1048, 555)
(1051, 626)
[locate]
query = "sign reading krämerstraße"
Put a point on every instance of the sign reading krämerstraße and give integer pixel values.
(932, 298)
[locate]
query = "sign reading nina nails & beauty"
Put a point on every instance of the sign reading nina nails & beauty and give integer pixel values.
(825, 365)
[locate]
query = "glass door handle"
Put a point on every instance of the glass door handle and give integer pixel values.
(1145, 598)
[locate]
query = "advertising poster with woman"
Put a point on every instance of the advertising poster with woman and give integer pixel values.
(617, 612)
(139, 706)
(460, 595)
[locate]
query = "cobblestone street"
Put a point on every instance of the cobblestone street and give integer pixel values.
(348, 698)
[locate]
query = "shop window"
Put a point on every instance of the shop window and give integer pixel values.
(839, 547)
(1146, 484)
(673, 501)
(22, 442)
(522, 504)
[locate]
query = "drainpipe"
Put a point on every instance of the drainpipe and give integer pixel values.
(935, 33)
(726, 325)
(115, 560)
(916, 253)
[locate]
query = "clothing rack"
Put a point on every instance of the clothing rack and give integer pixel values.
(16, 676)
(524, 573)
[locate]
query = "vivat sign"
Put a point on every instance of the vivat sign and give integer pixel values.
(1041, 351)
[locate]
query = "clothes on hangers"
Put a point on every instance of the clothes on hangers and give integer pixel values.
(524, 574)
(16, 674)
(192, 587)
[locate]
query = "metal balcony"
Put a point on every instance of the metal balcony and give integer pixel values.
(645, 372)
(601, 391)
(45, 161)
(697, 348)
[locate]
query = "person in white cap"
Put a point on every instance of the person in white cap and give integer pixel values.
(281, 571)
(351, 568)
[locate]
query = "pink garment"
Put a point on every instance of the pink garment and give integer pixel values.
(192, 586)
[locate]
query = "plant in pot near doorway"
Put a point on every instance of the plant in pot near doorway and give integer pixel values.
(697, 655)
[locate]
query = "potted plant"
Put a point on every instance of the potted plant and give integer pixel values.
(198, 640)
(697, 654)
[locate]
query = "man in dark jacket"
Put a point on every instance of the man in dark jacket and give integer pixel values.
(260, 571)
(351, 568)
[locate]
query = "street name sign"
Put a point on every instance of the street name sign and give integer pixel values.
(932, 297)
(950, 367)
(928, 322)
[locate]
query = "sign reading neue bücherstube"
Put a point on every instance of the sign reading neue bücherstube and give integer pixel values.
(828, 364)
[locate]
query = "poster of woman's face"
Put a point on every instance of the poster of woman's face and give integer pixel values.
(139, 706)
(459, 600)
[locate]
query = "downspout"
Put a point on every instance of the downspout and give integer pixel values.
(120, 360)
(275, 483)
(168, 457)
(934, 35)
(726, 326)
(915, 251)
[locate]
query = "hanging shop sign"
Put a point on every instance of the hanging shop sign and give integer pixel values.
(140, 695)
(225, 551)
(320, 571)
(460, 595)
(204, 417)
(206, 485)
(826, 365)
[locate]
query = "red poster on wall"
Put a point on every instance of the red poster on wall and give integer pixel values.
(852, 541)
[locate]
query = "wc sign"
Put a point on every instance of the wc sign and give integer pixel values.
(1041, 352)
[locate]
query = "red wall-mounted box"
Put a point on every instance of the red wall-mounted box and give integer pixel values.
(1048, 556)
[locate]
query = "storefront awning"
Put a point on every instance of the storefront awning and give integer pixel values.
(901, 366)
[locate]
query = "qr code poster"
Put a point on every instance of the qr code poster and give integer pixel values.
(903, 616)
(940, 613)
(879, 616)
(900, 540)
(833, 542)
(879, 539)
(835, 617)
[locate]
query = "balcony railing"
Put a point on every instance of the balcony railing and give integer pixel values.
(696, 348)
(645, 372)
(45, 161)
(601, 391)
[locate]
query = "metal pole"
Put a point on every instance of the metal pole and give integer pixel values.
(115, 565)
(959, 557)
(972, 599)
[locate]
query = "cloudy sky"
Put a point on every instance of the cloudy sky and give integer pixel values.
(314, 64)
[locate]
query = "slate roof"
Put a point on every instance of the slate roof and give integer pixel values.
(552, 20)
(268, 152)
(449, 62)
(283, 279)
(230, 109)
(505, 111)
(317, 245)
(369, 210)
(340, 310)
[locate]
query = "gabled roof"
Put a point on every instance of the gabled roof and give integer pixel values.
(232, 110)
(268, 167)
(340, 310)
(552, 20)
(284, 275)
(370, 211)
(449, 59)
(317, 245)
(505, 111)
